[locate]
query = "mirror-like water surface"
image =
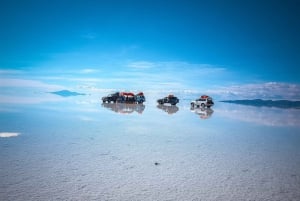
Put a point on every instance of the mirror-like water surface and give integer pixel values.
(85, 150)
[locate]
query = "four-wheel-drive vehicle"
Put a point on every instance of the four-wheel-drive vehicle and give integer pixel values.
(124, 97)
(173, 100)
(110, 98)
(140, 98)
(203, 101)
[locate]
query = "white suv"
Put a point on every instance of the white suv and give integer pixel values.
(203, 101)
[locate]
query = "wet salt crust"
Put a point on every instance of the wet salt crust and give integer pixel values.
(148, 156)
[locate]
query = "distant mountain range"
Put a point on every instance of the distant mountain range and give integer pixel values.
(267, 103)
(67, 93)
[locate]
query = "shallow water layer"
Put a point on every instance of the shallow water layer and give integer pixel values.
(81, 150)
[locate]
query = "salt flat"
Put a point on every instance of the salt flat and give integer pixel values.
(84, 150)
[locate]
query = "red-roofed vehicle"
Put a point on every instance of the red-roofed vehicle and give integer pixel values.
(173, 100)
(124, 97)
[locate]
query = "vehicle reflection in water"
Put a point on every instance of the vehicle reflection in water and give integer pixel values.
(204, 113)
(170, 109)
(124, 108)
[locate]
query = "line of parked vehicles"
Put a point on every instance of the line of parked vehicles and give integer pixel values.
(203, 101)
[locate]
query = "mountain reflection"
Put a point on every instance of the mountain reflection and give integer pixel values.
(204, 113)
(124, 108)
(170, 109)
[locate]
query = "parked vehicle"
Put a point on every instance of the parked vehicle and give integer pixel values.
(140, 98)
(124, 97)
(110, 98)
(173, 100)
(203, 101)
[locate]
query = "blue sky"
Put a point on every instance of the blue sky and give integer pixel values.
(223, 47)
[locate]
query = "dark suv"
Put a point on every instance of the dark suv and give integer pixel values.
(173, 100)
(111, 98)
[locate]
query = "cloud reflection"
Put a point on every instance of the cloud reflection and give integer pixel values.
(261, 115)
(8, 134)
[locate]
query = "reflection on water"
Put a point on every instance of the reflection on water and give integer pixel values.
(170, 109)
(8, 134)
(204, 113)
(154, 156)
(260, 115)
(124, 108)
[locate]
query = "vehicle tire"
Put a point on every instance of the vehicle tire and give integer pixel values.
(202, 105)
(192, 105)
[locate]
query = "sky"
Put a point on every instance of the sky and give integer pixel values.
(228, 48)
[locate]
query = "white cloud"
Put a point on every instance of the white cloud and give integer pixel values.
(74, 79)
(15, 99)
(86, 118)
(89, 70)
(142, 65)
(23, 91)
(176, 66)
(9, 72)
(27, 83)
(170, 74)
(268, 90)
(259, 115)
